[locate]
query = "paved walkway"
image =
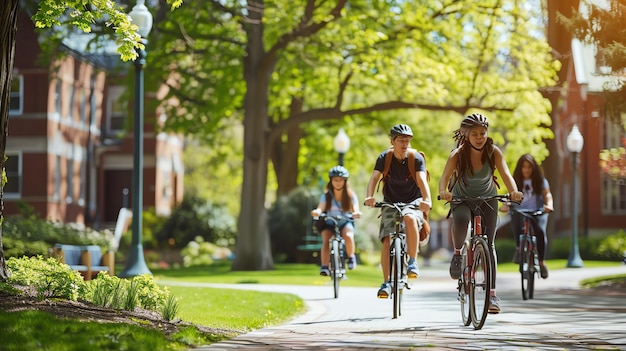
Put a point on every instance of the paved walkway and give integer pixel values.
(560, 317)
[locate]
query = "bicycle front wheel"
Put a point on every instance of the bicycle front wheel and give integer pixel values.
(396, 275)
(335, 271)
(480, 282)
(526, 267)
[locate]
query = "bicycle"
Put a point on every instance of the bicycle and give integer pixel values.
(527, 251)
(398, 256)
(337, 247)
(478, 264)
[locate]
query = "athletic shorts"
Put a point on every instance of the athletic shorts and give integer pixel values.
(388, 220)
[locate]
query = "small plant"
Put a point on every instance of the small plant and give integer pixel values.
(170, 308)
(132, 296)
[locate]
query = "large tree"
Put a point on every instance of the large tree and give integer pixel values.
(282, 66)
(81, 14)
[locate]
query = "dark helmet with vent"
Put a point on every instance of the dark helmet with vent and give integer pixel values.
(474, 120)
(400, 129)
(338, 171)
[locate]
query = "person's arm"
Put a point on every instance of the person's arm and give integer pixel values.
(371, 186)
(322, 204)
(548, 205)
(422, 183)
(507, 178)
(444, 194)
(356, 213)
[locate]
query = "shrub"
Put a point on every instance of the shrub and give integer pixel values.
(48, 276)
(28, 235)
(613, 247)
(198, 253)
(197, 217)
(289, 220)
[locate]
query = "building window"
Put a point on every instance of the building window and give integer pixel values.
(117, 112)
(16, 105)
(13, 169)
(613, 189)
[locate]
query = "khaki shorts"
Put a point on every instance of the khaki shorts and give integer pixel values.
(388, 220)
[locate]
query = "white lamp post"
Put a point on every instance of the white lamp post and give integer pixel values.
(135, 262)
(575, 143)
(341, 144)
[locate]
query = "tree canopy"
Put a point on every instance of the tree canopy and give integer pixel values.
(289, 71)
(602, 23)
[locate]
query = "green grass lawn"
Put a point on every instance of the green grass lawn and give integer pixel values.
(232, 310)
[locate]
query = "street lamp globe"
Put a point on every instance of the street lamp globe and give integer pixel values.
(575, 140)
(142, 18)
(341, 144)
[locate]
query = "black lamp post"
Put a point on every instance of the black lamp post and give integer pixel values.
(575, 145)
(341, 144)
(135, 262)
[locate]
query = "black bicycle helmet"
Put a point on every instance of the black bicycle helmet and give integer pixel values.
(474, 120)
(338, 171)
(400, 129)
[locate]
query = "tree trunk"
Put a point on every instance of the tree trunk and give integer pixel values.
(253, 250)
(8, 29)
(284, 157)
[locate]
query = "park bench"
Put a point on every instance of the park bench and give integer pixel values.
(86, 259)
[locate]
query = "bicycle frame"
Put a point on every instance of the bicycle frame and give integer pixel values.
(337, 247)
(398, 256)
(478, 264)
(528, 254)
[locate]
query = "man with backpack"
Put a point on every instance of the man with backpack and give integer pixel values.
(405, 179)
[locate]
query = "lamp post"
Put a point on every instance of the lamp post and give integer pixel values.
(342, 144)
(135, 262)
(575, 145)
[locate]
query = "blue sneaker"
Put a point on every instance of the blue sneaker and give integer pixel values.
(413, 270)
(352, 262)
(324, 271)
(384, 291)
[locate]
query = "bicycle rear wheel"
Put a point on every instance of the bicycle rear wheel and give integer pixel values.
(480, 285)
(464, 287)
(335, 271)
(396, 275)
(526, 268)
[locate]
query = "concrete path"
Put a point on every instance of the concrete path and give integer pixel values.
(560, 317)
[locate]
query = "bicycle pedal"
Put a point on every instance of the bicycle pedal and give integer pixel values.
(412, 276)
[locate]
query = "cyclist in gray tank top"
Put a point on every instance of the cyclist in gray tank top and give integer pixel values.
(469, 172)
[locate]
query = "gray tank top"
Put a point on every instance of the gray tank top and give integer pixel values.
(479, 184)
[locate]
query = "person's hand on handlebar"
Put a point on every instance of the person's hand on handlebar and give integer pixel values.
(316, 212)
(445, 195)
(516, 196)
(369, 201)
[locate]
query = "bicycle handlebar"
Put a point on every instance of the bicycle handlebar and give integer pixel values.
(461, 199)
(335, 218)
(527, 213)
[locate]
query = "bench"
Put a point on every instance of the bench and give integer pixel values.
(86, 259)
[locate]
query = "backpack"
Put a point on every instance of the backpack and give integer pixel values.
(425, 231)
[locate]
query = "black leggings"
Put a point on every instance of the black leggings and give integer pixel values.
(461, 217)
(539, 227)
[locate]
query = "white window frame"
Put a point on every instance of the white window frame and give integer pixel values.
(17, 94)
(13, 175)
(115, 94)
(613, 190)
